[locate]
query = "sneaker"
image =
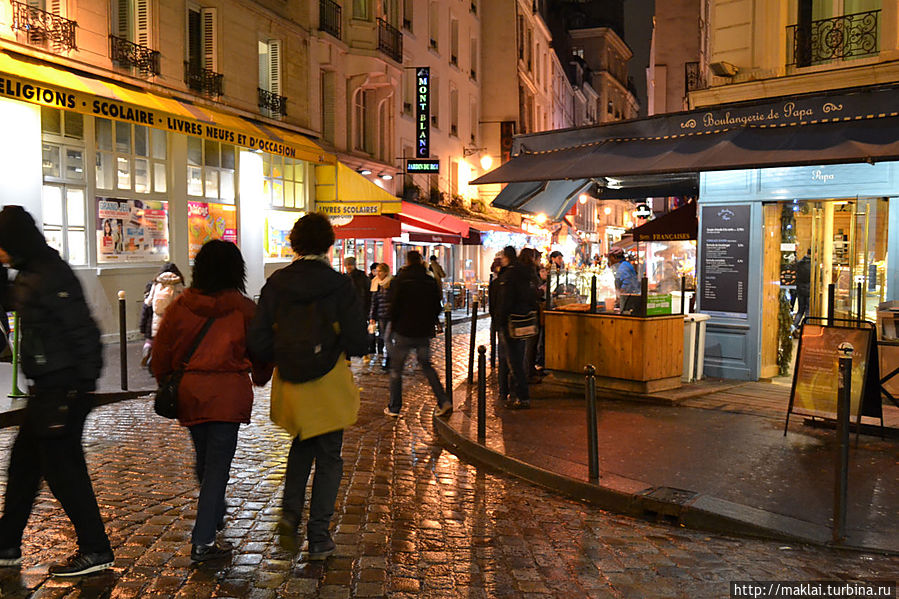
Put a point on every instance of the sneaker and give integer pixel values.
(391, 414)
(445, 408)
(287, 534)
(202, 553)
(10, 558)
(83, 563)
(321, 549)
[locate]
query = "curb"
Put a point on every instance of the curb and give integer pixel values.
(14, 416)
(662, 504)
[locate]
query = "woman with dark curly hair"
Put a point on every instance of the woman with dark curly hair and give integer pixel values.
(216, 392)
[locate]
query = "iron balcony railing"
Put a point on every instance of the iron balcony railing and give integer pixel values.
(42, 27)
(273, 104)
(129, 54)
(694, 77)
(837, 38)
(329, 17)
(390, 40)
(203, 80)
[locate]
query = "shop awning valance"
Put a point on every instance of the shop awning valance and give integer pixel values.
(368, 227)
(433, 220)
(842, 127)
(552, 198)
(678, 225)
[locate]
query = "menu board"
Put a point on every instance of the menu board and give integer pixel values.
(207, 221)
(724, 270)
(132, 230)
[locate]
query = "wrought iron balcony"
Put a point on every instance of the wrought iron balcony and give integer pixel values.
(694, 77)
(203, 80)
(42, 27)
(838, 38)
(390, 40)
(273, 104)
(329, 17)
(129, 54)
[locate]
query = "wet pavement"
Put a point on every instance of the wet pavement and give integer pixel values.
(412, 520)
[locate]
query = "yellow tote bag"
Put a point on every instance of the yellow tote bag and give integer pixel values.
(316, 407)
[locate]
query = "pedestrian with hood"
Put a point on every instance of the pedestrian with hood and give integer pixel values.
(379, 313)
(62, 357)
(309, 323)
(164, 288)
(414, 308)
(216, 391)
(515, 297)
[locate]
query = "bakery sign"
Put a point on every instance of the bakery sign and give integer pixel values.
(791, 112)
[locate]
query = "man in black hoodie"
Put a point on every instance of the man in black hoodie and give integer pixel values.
(62, 357)
(414, 308)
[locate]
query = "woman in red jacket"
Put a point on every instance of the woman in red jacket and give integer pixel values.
(216, 392)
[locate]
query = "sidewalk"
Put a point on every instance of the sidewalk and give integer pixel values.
(720, 465)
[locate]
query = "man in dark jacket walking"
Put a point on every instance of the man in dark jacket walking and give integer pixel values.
(414, 308)
(62, 357)
(361, 283)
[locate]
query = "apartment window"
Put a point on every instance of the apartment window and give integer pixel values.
(579, 52)
(408, 12)
(202, 43)
(521, 37)
(130, 157)
(435, 101)
(454, 111)
(474, 7)
(328, 101)
(131, 20)
(361, 10)
(434, 25)
(454, 42)
(473, 114)
(529, 40)
(474, 58)
(63, 205)
(362, 126)
(210, 170)
(408, 91)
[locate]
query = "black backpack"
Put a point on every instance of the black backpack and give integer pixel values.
(307, 340)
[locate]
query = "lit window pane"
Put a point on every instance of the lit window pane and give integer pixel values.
(277, 167)
(194, 181)
(123, 137)
(288, 169)
(267, 191)
(195, 151)
(212, 183)
(212, 153)
(123, 173)
(77, 247)
(104, 171)
(53, 235)
(75, 207)
(227, 182)
(299, 171)
(159, 144)
(228, 156)
(289, 201)
(74, 125)
(159, 176)
(52, 206)
(277, 192)
(266, 165)
(141, 143)
(74, 164)
(51, 160)
(50, 120)
(141, 175)
(104, 134)
(300, 196)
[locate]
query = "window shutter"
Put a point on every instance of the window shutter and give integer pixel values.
(142, 22)
(55, 6)
(274, 66)
(210, 43)
(120, 18)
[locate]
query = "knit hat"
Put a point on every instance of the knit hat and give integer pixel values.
(19, 236)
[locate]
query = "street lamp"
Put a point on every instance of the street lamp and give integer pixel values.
(486, 162)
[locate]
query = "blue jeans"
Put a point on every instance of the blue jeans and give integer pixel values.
(510, 361)
(215, 443)
(324, 451)
(397, 356)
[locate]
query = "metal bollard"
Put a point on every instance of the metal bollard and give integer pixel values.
(831, 295)
(683, 293)
(592, 437)
(492, 346)
(859, 301)
(593, 295)
(467, 301)
(474, 330)
(841, 485)
(482, 393)
(15, 392)
(448, 349)
(123, 341)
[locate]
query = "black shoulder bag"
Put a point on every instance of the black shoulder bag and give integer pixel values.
(166, 402)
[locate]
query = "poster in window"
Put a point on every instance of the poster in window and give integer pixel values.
(207, 221)
(278, 224)
(132, 230)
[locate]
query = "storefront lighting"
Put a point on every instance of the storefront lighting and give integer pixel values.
(607, 210)
(486, 162)
(386, 176)
(583, 198)
(364, 171)
(540, 218)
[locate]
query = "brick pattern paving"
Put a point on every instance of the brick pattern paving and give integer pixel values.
(412, 521)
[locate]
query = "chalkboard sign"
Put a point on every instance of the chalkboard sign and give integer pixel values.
(724, 270)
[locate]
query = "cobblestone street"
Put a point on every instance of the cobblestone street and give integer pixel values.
(411, 521)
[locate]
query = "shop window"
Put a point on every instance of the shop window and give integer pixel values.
(284, 181)
(63, 205)
(130, 157)
(210, 170)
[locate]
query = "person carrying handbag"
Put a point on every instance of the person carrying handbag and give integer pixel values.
(215, 394)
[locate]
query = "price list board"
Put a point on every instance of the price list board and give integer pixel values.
(724, 267)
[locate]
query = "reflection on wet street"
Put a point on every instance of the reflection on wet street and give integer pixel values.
(412, 521)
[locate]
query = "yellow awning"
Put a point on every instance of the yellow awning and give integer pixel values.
(31, 80)
(353, 194)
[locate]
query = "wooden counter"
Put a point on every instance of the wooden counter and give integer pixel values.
(639, 355)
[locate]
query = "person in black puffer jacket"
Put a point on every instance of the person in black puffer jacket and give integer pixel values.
(414, 308)
(62, 356)
(379, 311)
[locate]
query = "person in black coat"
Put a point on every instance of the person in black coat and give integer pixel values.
(62, 357)
(803, 286)
(414, 307)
